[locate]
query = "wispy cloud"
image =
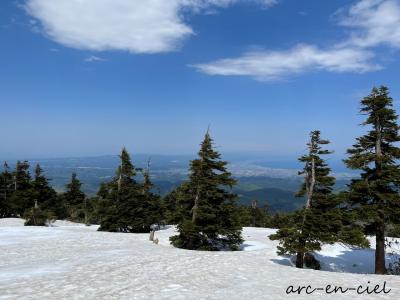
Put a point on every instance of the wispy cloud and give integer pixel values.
(137, 26)
(274, 65)
(373, 23)
(203, 4)
(93, 58)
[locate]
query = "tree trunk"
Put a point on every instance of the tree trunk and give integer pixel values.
(254, 208)
(196, 199)
(380, 267)
(86, 213)
(310, 183)
(119, 182)
(195, 207)
(300, 260)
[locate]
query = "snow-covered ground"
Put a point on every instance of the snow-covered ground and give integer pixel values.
(73, 261)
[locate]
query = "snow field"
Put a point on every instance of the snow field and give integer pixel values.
(73, 261)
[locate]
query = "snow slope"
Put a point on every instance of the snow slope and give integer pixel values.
(77, 262)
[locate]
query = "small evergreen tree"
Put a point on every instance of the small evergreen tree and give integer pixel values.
(171, 204)
(321, 219)
(73, 194)
(21, 198)
(208, 216)
(36, 216)
(155, 204)
(259, 215)
(46, 196)
(255, 216)
(375, 195)
(106, 208)
(6, 189)
(281, 220)
(75, 200)
(126, 205)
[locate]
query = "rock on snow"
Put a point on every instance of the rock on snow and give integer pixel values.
(73, 261)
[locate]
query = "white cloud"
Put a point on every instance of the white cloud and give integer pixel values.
(137, 26)
(202, 4)
(154, 26)
(93, 58)
(374, 23)
(273, 65)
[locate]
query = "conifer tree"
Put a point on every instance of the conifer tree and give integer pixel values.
(147, 184)
(75, 200)
(6, 184)
(106, 209)
(127, 206)
(73, 194)
(172, 204)
(21, 198)
(254, 215)
(208, 216)
(116, 193)
(35, 216)
(45, 195)
(320, 221)
(132, 209)
(375, 195)
(155, 204)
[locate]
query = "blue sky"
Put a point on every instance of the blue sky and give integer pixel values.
(80, 78)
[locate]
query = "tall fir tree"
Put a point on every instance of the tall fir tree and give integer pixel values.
(126, 205)
(155, 203)
(75, 200)
(21, 198)
(321, 220)
(6, 190)
(115, 193)
(73, 194)
(46, 196)
(208, 215)
(172, 204)
(375, 195)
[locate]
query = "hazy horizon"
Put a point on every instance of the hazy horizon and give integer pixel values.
(269, 161)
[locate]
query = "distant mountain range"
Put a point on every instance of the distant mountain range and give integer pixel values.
(258, 179)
